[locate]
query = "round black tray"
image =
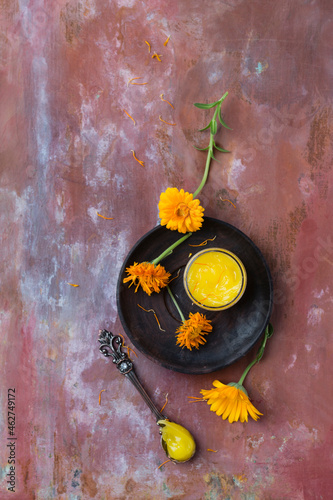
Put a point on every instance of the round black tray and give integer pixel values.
(235, 330)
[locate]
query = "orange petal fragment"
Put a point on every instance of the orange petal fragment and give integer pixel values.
(159, 324)
(135, 78)
(214, 451)
(204, 242)
(129, 116)
(164, 100)
(166, 402)
(152, 310)
(226, 199)
(102, 216)
(166, 41)
(128, 351)
(72, 284)
(164, 463)
(135, 158)
(158, 56)
(168, 123)
(132, 82)
(147, 310)
(148, 45)
(100, 395)
(175, 277)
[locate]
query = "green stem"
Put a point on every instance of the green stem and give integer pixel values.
(209, 157)
(241, 380)
(268, 334)
(170, 249)
(210, 150)
(176, 304)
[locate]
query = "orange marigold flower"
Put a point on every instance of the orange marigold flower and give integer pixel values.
(179, 212)
(150, 277)
(191, 331)
(230, 401)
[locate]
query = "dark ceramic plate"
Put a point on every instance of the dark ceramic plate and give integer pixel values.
(235, 330)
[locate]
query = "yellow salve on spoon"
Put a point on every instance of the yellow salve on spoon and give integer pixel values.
(215, 279)
(178, 442)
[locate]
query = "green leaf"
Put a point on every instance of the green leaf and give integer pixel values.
(202, 149)
(223, 97)
(202, 105)
(221, 120)
(202, 129)
(213, 126)
(220, 149)
(214, 103)
(211, 155)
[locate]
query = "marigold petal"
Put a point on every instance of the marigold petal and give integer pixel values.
(228, 409)
(253, 412)
(243, 413)
(215, 405)
(232, 392)
(222, 407)
(238, 410)
(217, 383)
(233, 412)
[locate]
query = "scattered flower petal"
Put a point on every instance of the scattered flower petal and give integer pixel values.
(164, 100)
(102, 216)
(129, 116)
(168, 123)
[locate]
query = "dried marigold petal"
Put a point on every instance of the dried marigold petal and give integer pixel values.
(203, 243)
(164, 100)
(131, 81)
(164, 463)
(100, 394)
(166, 402)
(168, 123)
(135, 158)
(129, 116)
(226, 199)
(155, 315)
(158, 56)
(103, 217)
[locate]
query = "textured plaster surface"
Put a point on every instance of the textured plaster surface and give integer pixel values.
(65, 154)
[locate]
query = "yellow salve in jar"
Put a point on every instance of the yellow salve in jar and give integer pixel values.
(215, 279)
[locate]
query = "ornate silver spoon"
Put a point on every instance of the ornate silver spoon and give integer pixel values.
(177, 441)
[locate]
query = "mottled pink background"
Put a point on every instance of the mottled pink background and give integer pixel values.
(65, 154)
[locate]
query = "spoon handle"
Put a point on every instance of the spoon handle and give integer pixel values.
(111, 346)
